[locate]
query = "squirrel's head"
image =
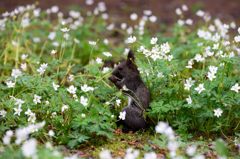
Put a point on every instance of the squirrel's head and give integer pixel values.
(126, 68)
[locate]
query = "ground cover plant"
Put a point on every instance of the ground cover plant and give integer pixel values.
(56, 99)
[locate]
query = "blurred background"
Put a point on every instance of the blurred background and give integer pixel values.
(165, 9)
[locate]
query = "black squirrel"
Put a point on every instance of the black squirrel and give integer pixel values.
(126, 76)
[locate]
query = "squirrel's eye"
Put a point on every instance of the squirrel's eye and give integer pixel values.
(120, 68)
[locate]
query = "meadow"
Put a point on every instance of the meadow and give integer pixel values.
(57, 101)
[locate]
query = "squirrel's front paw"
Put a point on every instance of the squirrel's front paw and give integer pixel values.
(113, 79)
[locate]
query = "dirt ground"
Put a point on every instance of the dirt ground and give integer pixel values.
(165, 9)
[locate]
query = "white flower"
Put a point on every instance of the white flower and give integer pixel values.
(83, 115)
(208, 53)
(184, 7)
(76, 41)
(53, 114)
(29, 148)
(131, 154)
(37, 99)
(71, 89)
(93, 43)
(189, 100)
(24, 56)
(3, 113)
(231, 55)
(111, 26)
(105, 154)
(36, 12)
(190, 63)
(130, 40)
(10, 84)
(7, 137)
(28, 112)
(189, 21)
(172, 146)
(36, 40)
(86, 88)
(66, 36)
(54, 9)
(105, 41)
(153, 18)
(235, 88)
(47, 102)
(200, 13)
(154, 40)
(42, 68)
(32, 118)
(18, 102)
(133, 16)
(55, 86)
(191, 150)
(211, 76)
(74, 14)
(160, 75)
(105, 69)
(101, 6)
(200, 88)
(64, 107)
(55, 43)
(188, 84)
(16, 73)
(178, 11)
(123, 26)
(181, 22)
(24, 66)
(83, 101)
(49, 146)
(25, 22)
(18, 110)
(150, 155)
(52, 35)
(212, 71)
(218, 112)
(23, 133)
(169, 57)
(129, 30)
(199, 157)
(65, 30)
(53, 52)
(15, 43)
(99, 60)
(89, 2)
(118, 102)
(147, 12)
(161, 127)
(237, 38)
(70, 78)
(215, 46)
(122, 115)
(199, 58)
(51, 133)
(105, 16)
(165, 48)
(108, 54)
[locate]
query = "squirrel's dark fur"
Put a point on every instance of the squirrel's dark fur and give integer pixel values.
(127, 74)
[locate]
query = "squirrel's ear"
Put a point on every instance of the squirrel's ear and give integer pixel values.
(131, 56)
